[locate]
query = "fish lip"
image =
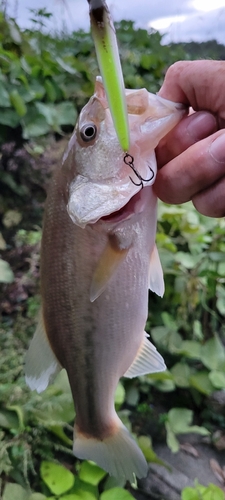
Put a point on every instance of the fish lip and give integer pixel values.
(131, 208)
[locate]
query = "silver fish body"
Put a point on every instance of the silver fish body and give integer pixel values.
(98, 260)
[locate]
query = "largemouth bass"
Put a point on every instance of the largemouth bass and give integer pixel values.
(98, 259)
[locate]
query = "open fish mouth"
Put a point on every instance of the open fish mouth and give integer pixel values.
(90, 202)
(135, 205)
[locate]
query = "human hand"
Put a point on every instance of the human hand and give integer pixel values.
(191, 158)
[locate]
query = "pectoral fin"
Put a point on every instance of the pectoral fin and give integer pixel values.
(156, 281)
(148, 360)
(41, 365)
(109, 262)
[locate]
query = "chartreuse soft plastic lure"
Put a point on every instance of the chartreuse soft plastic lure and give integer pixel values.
(106, 47)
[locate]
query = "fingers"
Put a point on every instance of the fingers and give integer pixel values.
(199, 84)
(193, 171)
(211, 201)
(191, 129)
(192, 156)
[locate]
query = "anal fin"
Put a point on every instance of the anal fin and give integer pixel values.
(148, 360)
(109, 261)
(41, 365)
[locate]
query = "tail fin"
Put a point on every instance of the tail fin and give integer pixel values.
(118, 454)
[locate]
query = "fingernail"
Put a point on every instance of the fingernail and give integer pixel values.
(217, 149)
(201, 124)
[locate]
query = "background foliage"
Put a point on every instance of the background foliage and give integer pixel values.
(44, 82)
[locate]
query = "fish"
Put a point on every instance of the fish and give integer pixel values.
(98, 260)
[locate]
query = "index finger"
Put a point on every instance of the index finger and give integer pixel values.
(200, 84)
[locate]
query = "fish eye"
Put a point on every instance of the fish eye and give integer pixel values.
(88, 132)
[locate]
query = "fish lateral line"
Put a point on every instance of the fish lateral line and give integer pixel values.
(129, 160)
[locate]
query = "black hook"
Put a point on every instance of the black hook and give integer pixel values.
(129, 160)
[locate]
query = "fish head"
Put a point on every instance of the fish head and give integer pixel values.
(104, 178)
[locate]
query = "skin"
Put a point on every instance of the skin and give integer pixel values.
(192, 155)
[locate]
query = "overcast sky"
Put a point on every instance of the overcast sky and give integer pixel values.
(181, 20)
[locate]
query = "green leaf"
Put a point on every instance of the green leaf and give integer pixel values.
(91, 473)
(116, 494)
(180, 419)
(14, 32)
(4, 96)
(58, 478)
(82, 488)
(181, 373)
(36, 89)
(65, 66)
(197, 330)
(18, 102)
(201, 382)
(190, 348)
(221, 268)
(57, 115)
(9, 419)
(79, 495)
(165, 385)
(119, 395)
(12, 218)
(190, 494)
(186, 259)
(50, 90)
(160, 334)
(9, 117)
(145, 445)
(132, 395)
(59, 432)
(48, 111)
(160, 376)
(34, 124)
(61, 382)
(15, 492)
(37, 496)
(218, 379)
(6, 274)
(220, 303)
(200, 492)
(66, 113)
(64, 411)
(8, 179)
(172, 441)
(213, 353)
(199, 430)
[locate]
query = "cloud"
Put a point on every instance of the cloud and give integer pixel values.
(198, 27)
(74, 13)
(182, 19)
(145, 11)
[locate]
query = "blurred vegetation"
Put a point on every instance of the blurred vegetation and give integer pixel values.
(44, 82)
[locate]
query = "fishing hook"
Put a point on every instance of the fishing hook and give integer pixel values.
(129, 160)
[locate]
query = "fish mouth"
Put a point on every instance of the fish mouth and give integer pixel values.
(134, 206)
